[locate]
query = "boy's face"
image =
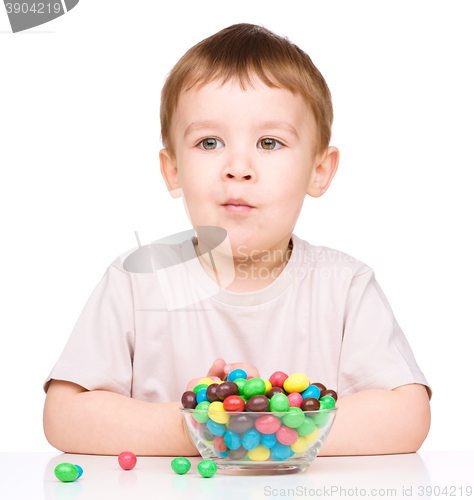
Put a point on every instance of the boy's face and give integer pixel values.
(242, 155)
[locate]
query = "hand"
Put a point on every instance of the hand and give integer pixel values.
(221, 369)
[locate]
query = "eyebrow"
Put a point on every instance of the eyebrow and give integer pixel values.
(268, 124)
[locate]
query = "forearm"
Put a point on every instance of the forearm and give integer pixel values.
(106, 423)
(375, 422)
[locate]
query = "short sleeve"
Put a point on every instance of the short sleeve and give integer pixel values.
(375, 353)
(99, 351)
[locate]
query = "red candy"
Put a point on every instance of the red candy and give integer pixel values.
(286, 435)
(295, 399)
(234, 403)
(219, 444)
(267, 424)
(127, 460)
(277, 379)
(195, 423)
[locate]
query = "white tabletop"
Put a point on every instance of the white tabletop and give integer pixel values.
(30, 476)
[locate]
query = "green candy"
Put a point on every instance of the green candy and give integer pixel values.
(328, 402)
(254, 387)
(241, 383)
(201, 417)
(199, 387)
(294, 418)
(279, 402)
(307, 427)
(321, 419)
(66, 472)
(180, 465)
(244, 398)
(207, 468)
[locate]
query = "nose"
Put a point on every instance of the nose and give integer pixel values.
(240, 169)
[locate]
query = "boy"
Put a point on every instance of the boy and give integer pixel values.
(246, 123)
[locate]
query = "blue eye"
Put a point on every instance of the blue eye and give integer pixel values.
(210, 143)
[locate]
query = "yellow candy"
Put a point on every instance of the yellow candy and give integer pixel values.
(216, 412)
(297, 382)
(259, 453)
(311, 438)
(206, 380)
(300, 446)
(268, 386)
(220, 382)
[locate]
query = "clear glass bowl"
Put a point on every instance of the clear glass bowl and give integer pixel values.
(266, 460)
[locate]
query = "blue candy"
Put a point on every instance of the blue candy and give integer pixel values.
(280, 451)
(250, 439)
(222, 454)
(79, 468)
(312, 391)
(201, 396)
(215, 428)
(232, 440)
(268, 440)
(235, 374)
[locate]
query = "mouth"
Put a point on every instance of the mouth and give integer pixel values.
(237, 202)
(238, 209)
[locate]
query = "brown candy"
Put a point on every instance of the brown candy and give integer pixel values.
(329, 392)
(310, 404)
(227, 389)
(257, 403)
(237, 454)
(188, 399)
(241, 423)
(321, 386)
(273, 391)
(211, 393)
(205, 433)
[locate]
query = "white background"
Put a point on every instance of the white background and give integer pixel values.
(79, 143)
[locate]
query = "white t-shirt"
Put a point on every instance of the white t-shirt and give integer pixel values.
(325, 316)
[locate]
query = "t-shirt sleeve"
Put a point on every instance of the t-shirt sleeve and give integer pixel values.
(99, 351)
(375, 353)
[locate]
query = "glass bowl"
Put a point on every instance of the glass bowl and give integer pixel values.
(213, 431)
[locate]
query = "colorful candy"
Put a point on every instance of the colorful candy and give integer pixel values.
(297, 413)
(207, 468)
(180, 465)
(66, 472)
(127, 460)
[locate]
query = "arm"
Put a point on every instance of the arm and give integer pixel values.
(380, 422)
(98, 422)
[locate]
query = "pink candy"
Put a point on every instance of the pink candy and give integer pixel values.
(286, 435)
(295, 399)
(127, 460)
(267, 424)
(278, 379)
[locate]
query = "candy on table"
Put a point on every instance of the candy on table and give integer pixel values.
(180, 465)
(207, 468)
(66, 472)
(127, 460)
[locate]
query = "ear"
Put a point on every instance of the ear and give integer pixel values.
(323, 171)
(169, 171)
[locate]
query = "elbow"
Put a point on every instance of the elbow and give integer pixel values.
(419, 426)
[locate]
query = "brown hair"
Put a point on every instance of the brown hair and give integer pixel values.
(235, 53)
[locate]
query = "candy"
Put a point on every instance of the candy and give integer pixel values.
(201, 396)
(286, 435)
(268, 440)
(250, 439)
(273, 391)
(79, 468)
(254, 387)
(237, 373)
(293, 418)
(66, 472)
(206, 380)
(237, 454)
(310, 404)
(241, 423)
(211, 393)
(232, 440)
(278, 379)
(268, 386)
(219, 444)
(127, 460)
(198, 387)
(320, 386)
(295, 399)
(307, 427)
(300, 446)
(259, 453)
(216, 428)
(241, 383)
(328, 401)
(267, 424)
(279, 403)
(180, 465)
(234, 403)
(297, 382)
(202, 416)
(329, 392)
(311, 438)
(311, 392)
(257, 403)
(188, 399)
(217, 413)
(280, 451)
(207, 468)
(227, 389)
(205, 433)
